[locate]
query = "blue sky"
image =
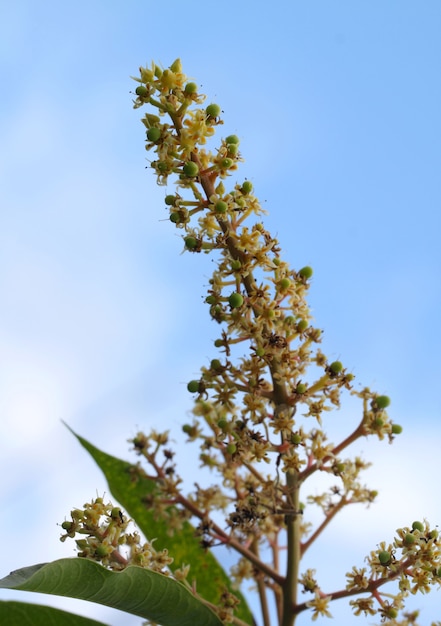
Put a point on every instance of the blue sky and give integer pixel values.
(102, 321)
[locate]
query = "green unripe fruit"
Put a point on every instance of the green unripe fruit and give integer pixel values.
(193, 386)
(231, 448)
(433, 534)
(153, 134)
(221, 206)
(236, 265)
(232, 139)
(378, 422)
(247, 187)
(161, 166)
(170, 200)
(226, 163)
(233, 149)
(217, 312)
(216, 365)
(302, 325)
(190, 88)
(409, 539)
(284, 283)
(235, 300)
(289, 320)
(418, 526)
(219, 343)
(175, 217)
(296, 439)
(381, 402)
(397, 429)
(300, 388)
(67, 525)
(101, 551)
(190, 169)
(391, 612)
(115, 513)
(142, 91)
(213, 110)
(211, 299)
(306, 272)
(222, 423)
(336, 367)
(260, 352)
(77, 514)
(187, 429)
(190, 243)
(384, 557)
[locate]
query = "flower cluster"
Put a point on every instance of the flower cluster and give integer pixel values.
(261, 401)
(413, 561)
(105, 539)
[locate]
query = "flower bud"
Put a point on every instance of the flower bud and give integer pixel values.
(176, 66)
(102, 551)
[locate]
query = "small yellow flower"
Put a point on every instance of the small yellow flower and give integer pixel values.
(319, 606)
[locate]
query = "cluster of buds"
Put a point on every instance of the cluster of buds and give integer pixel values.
(413, 560)
(260, 402)
(104, 538)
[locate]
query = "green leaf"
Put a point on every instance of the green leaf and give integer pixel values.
(129, 485)
(135, 590)
(27, 614)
